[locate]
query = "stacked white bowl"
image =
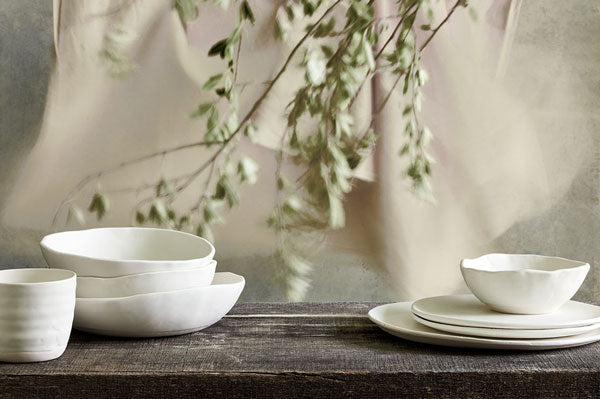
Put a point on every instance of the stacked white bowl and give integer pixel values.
(143, 282)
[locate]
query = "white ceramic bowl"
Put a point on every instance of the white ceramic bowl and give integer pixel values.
(162, 313)
(36, 313)
(121, 251)
(145, 283)
(523, 284)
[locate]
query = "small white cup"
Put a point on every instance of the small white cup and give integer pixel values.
(36, 313)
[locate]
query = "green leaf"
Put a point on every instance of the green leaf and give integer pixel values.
(212, 81)
(292, 204)
(158, 212)
(203, 230)
(184, 221)
(210, 213)
(201, 110)
(213, 120)
(250, 132)
(218, 48)
(426, 27)
(248, 170)
(164, 188)
(422, 77)
(316, 68)
(246, 11)
(284, 182)
(337, 217)
(99, 205)
(282, 25)
(225, 191)
(323, 29)
(368, 52)
(75, 214)
(140, 218)
(327, 51)
(186, 9)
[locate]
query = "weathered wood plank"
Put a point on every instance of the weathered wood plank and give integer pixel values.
(300, 349)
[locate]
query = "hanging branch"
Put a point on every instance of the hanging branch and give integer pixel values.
(337, 60)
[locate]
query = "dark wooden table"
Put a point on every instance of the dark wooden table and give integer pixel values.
(298, 350)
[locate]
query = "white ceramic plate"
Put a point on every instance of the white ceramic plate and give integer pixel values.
(506, 333)
(145, 283)
(121, 251)
(396, 319)
(466, 310)
(162, 313)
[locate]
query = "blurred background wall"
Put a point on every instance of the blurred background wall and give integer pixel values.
(565, 33)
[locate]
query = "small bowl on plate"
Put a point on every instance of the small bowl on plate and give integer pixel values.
(523, 284)
(122, 251)
(161, 313)
(36, 313)
(145, 283)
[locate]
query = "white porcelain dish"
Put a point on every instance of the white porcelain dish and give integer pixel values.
(396, 319)
(36, 313)
(466, 310)
(122, 251)
(162, 313)
(506, 333)
(145, 283)
(523, 284)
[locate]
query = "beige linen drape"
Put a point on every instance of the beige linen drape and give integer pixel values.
(490, 170)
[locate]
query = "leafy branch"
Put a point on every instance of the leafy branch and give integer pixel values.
(338, 59)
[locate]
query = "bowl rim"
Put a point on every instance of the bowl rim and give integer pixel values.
(44, 244)
(239, 280)
(71, 275)
(575, 264)
(143, 274)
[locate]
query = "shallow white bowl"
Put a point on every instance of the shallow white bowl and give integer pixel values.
(162, 313)
(523, 284)
(36, 313)
(145, 283)
(121, 251)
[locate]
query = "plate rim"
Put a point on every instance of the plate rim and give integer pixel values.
(456, 340)
(437, 325)
(483, 324)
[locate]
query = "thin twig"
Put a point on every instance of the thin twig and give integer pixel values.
(395, 31)
(83, 182)
(435, 31)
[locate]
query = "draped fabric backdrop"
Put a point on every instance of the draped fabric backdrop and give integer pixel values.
(494, 167)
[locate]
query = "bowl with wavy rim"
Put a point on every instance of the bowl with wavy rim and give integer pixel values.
(122, 251)
(145, 283)
(36, 313)
(161, 313)
(523, 284)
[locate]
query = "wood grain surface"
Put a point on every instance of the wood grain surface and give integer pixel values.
(298, 350)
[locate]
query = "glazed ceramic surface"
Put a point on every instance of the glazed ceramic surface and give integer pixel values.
(36, 313)
(396, 319)
(466, 310)
(523, 284)
(505, 332)
(121, 251)
(162, 313)
(145, 283)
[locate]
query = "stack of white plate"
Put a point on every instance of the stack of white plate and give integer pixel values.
(535, 289)
(143, 282)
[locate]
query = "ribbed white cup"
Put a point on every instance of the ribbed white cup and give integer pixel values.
(36, 313)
